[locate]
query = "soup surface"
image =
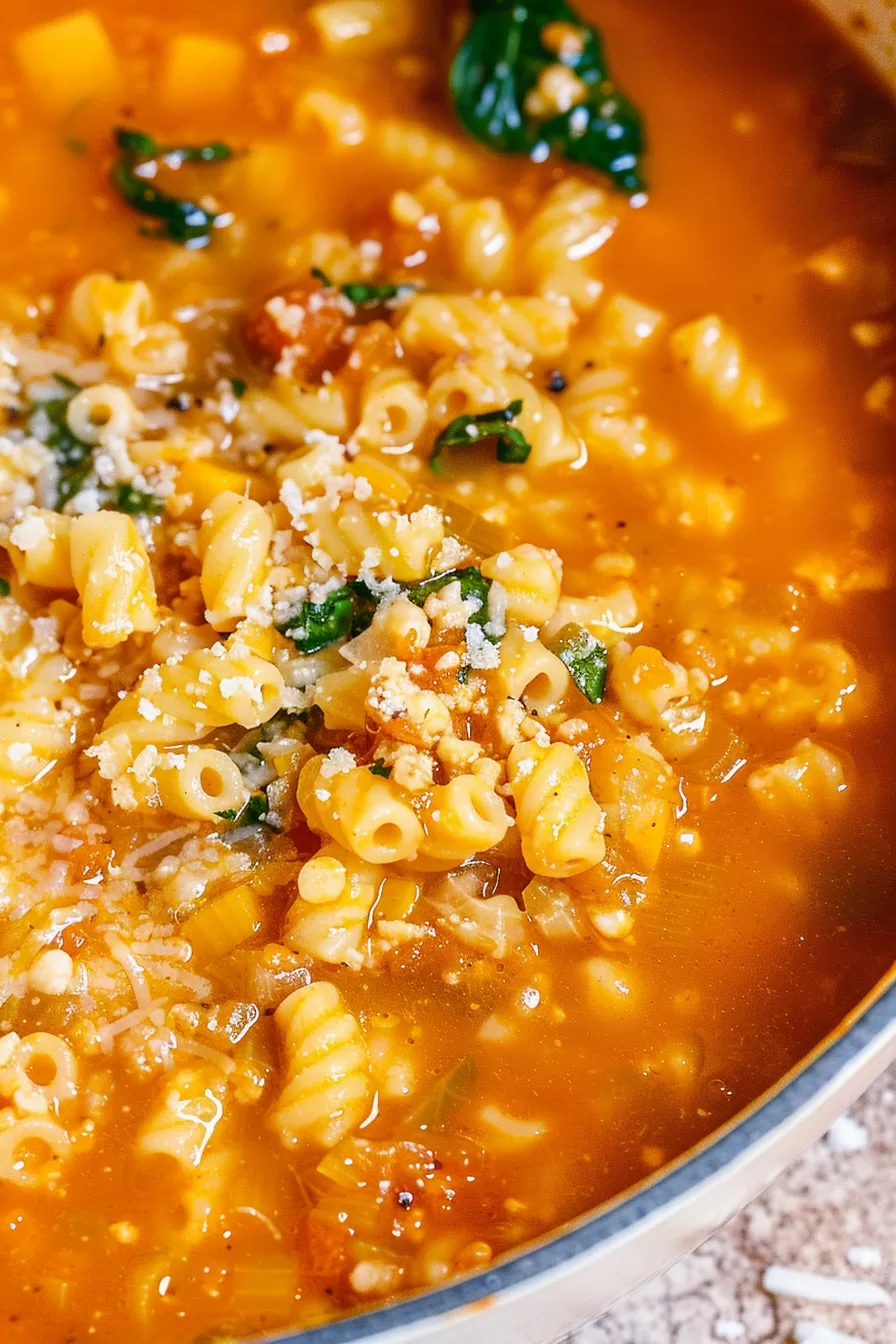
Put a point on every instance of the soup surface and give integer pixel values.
(446, 639)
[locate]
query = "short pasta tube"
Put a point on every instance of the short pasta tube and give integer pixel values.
(531, 673)
(328, 1084)
(460, 819)
(201, 783)
(329, 919)
(560, 824)
(363, 813)
(393, 410)
(234, 540)
(112, 574)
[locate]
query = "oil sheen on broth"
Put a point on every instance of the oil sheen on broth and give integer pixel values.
(534, 1061)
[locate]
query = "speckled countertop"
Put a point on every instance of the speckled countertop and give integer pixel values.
(833, 1212)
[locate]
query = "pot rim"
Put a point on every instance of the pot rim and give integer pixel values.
(796, 1091)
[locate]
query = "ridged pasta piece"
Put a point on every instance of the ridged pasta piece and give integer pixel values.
(101, 307)
(612, 617)
(38, 1072)
(560, 240)
(460, 819)
(531, 577)
(531, 673)
(39, 546)
(102, 413)
(600, 404)
(328, 1084)
(363, 813)
(560, 824)
(469, 387)
(481, 239)
(183, 699)
(513, 330)
(112, 574)
(330, 917)
(185, 1117)
(801, 789)
(714, 357)
(393, 410)
(234, 540)
(388, 543)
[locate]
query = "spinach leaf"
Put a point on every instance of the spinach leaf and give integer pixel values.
(586, 659)
(128, 499)
(74, 457)
(316, 625)
(472, 584)
(359, 294)
(494, 84)
(380, 770)
(182, 221)
(511, 445)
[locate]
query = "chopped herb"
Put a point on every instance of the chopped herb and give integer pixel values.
(495, 86)
(450, 1091)
(472, 584)
(255, 810)
(359, 293)
(254, 813)
(586, 659)
(181, 401)
(74, 457)
(239, 386)
(380, 770)
(130, 500)
(181, 221)
(466, 430)
(463, 675)
(4, 588)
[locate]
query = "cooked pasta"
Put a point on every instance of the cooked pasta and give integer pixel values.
(113, 577)
(329, 920)
(365, 814)
(560, 824)
(328, 1085)
(712, 354)
(233, 543)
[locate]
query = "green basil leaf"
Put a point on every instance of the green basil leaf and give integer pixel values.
(239, 386)
(472, 584)
(586, 659)
(359, 293)
(380, 770)
(317, 625)
(181, 221)
(4, 588)
(74, 457)
(229, 814)
(497, 68)
(466, 430)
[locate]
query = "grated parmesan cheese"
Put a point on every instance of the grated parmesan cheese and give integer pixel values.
(783, 1282)
(846, 1136)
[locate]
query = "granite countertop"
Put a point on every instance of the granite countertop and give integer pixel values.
(833, 1212)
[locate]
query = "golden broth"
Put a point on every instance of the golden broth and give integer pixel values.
(740, 957)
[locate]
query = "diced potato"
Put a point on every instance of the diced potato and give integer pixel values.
(200, 69)
(69, 61)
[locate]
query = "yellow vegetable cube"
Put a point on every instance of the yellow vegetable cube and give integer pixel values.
(69, 61)
(200, 69)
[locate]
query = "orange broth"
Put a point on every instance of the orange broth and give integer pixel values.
(739, 959)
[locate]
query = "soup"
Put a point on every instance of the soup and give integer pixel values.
(446, 630)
